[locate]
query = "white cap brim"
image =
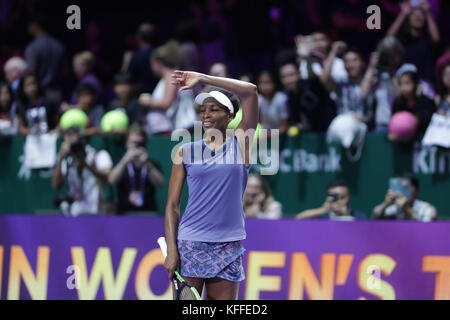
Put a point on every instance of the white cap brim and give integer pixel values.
(217, 95)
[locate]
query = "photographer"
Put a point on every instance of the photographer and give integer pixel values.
(336, 205)
(401, 203)
(84, 169)
(136, 176)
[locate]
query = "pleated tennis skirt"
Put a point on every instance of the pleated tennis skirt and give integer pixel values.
(211, 259)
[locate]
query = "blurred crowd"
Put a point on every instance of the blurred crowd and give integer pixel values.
(312, 76)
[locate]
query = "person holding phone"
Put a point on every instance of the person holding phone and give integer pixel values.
(401, 202)
(336, 205)
(416, 28)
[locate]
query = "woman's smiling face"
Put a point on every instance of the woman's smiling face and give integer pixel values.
(214, 116)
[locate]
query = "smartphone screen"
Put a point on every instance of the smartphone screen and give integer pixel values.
(333, 196)
(397, 185)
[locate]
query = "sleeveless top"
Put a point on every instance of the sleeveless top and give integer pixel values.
(216, 182)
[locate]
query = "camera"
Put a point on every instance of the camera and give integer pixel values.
(77, 147)
(60, 199)
(333, 196)
(139, 144)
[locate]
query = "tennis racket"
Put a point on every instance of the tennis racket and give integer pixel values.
(182, 290)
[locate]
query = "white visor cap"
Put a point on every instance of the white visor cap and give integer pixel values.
(219, 96)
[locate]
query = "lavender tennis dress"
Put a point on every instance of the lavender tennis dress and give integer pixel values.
(212, 225)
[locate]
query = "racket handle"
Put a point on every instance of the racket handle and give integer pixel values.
(163, 245)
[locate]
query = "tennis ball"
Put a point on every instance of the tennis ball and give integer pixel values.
(73, 118)
(293, 131)
(237, 119)
(114, 119)
(258, 129)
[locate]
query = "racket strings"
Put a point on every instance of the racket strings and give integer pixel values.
(186, 294)
(182, 291)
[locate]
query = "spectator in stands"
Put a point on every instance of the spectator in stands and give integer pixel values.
(125, 101)
(45, 57)
(443, 81)
(186, 34)
(167, 108)
(87, 101)
(336, 205)
(400, 207)
(218, 69)
(84, 169)
(273, 108)
(139, 65)
(379, 80)
(349, 24)
(14, 69)
(247, 77)
(416, 28)
(36, 113)
(258, 200)
(308, 102)
(312, 51)
(8, 118)
(83, 65)
(347, 93)
(409, 100)
(136, 176)
(425, 87)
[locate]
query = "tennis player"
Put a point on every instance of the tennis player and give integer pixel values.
(204, 246)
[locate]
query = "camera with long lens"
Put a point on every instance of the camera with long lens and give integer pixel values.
(77, 147)
(139, 144)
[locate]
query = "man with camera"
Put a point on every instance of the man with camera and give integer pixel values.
(401, 202)
(84, 169)
(336, 205)
(136, 176)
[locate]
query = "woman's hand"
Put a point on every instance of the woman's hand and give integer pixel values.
(304, 47)
(374, 59)
(338, 47)
(172, 262)
(185, 79)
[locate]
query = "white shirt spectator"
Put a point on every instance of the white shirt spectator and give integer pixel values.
(423, 211)
(338, 72)
(273, 111)
(273, 211)
(180, 115)
(384, 95)
(86, 190)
